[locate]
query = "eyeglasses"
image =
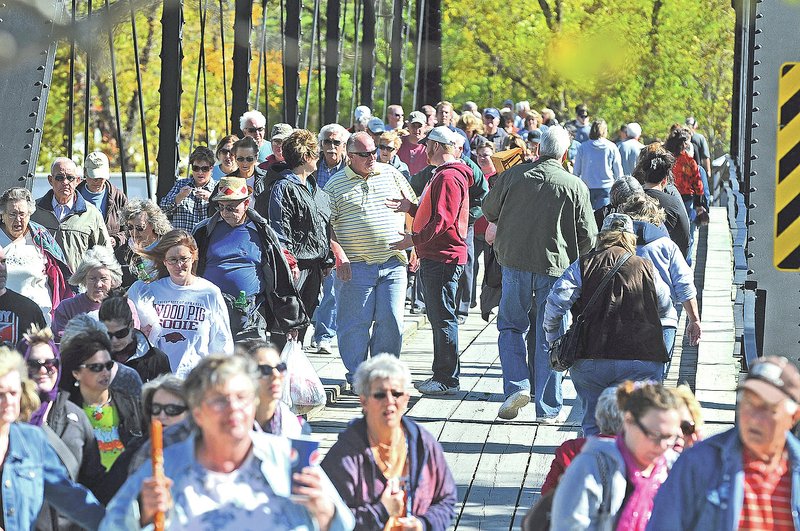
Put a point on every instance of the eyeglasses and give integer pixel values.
(222, 402)
(254, 130)
(120, 334)
(178, 261)
(397, 115)
(267, 370)
(386, 148)
(243, 159)
(331, 142)
(98, 367)
(35, 366)
(203, 169)
(229, 208)
(657, 438)
(136, 228)
(21, 215)
(687, 428)
(61, 177)
(363, 154)
(225, 151)
(381, 395)
(171, 410)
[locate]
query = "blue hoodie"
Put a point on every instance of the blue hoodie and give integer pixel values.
(653, 242)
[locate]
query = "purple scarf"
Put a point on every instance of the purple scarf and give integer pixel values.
(637, 508)
(38, 416)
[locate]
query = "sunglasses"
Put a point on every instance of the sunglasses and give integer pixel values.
(243, 159)
(398, 115)
(228, 208)
(35, 366)
(331, 142)
(364, 154)
(119, 334)
(254, 129)
(203, 169)
(687, 428)
(225, 151)
(381, 395)
(386, 148)
(98, 367)
(132, 228)
(171, 410)
(61, 177)
(267, 370)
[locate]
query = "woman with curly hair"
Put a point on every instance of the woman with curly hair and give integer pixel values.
(145, 223)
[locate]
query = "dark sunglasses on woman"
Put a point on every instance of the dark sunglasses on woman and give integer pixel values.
(122, 333)
(171, 410)
(266, 370)
(97, 367)
(35, 366)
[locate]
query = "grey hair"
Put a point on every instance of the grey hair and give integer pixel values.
(470, 106)
(166, 382)
(355, 136)
(155, 215)
(333, 129)
(217, 370)
(12, 195)
(96, 257)
(254, 117)
(79, 326)
(623, 188)
(59, 160)
(523, 105)
(607, 414)
(555, 142)
(634, 130)
(378, 368)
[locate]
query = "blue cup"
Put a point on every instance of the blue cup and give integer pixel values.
(305, 452)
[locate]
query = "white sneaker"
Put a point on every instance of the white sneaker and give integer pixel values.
(433, 387)
(324, 347)
(513, 403)
(558, 419)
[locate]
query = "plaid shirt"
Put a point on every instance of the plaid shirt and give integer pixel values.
(191, 211)
(687, 176)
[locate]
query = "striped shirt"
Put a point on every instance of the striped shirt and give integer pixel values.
(364, 226)
(767, 495)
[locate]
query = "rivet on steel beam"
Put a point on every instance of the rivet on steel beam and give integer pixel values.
(751, 238)
(751, 222)
(756, 93)
(750, 271)
(753, 157)
(24, 162)
(758, 31)
(754, 141)
(750, 255)
(38, 130)
(37, 84)
(756, 62)
(752, 205)
(759, 15)
(755, 124)
(756, 78)
(34, 113)
(753, 189)
(756, 109)
(45, 85)
(27, 146)
(40, 67)
(29, 130)
(757, 47)
(753, 174)
(36, 98)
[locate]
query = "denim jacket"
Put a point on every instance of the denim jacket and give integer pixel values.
(33, 474)
(705, 488)
(270, 450)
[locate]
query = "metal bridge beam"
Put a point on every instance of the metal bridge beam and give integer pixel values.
(169, 120)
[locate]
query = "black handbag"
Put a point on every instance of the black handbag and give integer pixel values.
(564, 350)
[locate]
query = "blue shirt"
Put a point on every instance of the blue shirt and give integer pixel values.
(234, 259)
(99, 199)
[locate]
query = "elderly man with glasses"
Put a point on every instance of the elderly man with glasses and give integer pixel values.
(253, 124)
(76, 224)
(371, 275)
(239, 253)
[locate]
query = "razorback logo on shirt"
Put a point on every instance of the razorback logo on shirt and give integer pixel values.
(174, 337)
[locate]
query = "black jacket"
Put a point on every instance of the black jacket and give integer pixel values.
(303, 222)
(129, 408)
(283, 310)
(148, 361)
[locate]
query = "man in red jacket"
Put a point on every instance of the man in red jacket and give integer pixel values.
(439, 232)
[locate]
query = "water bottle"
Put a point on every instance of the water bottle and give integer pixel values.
(241, 301)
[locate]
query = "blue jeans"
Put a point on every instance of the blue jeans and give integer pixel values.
(375, 294)
(591, 377)
(325, 314)
(520, 365)
(669, 342)
(440, 282)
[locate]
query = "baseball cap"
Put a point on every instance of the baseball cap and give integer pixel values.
(491, 111)
(376, 125)
(773, 378)
(617, 221)
(96, 166)
(535, 136)
(441, 134)
(281, 132)
(361, 111)
(634, 129)
(417, 117)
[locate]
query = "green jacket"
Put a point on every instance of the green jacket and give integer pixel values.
(544, 217)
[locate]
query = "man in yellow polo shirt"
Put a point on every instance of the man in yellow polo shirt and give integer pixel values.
(371, 277)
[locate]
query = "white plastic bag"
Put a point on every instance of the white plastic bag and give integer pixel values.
(302, 389)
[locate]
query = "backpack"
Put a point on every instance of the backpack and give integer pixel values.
(539, 516)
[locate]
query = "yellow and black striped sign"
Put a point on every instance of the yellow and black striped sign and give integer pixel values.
(787, 189)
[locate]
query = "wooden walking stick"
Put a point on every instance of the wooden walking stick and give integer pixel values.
(157, 455)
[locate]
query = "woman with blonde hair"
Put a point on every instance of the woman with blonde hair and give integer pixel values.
(388, 144)
(32, 471)
(691, 413)
(621, 337)
(192, 319)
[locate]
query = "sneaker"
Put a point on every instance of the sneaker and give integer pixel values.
(324, 347)
(313, 346)
(433, 388)
(461, 319)
(423, 382)
(513, 403)
(558, 419)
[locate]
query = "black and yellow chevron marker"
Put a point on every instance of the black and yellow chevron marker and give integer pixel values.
(787, 189)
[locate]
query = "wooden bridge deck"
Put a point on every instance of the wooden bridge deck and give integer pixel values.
(499, 465)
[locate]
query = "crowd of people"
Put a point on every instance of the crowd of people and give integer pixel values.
(124, 310)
